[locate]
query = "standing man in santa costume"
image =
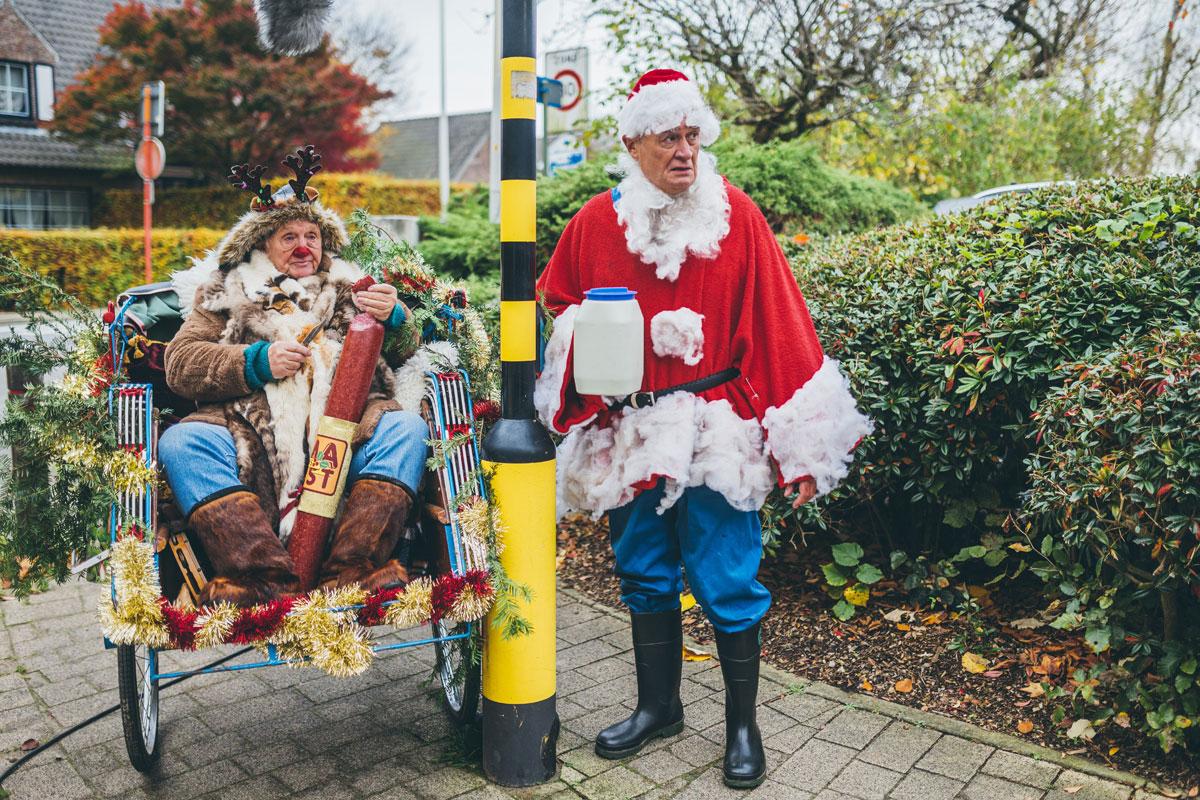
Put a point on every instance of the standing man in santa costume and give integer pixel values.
(737, 398)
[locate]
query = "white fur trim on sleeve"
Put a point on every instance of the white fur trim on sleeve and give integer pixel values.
(663, 106)
(547, 392)
(814, 432)
(678, 333)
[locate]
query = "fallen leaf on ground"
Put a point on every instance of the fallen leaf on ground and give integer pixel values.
(30, 744)
(1025, 726)
(690, 654)
(898, 615)
(1020, 547)
(900, 626)
(974, 663)
(1081, 729)
(1112, 751)
(1025, 623)
(935, 619)
(904, 685)
(686, 601)
(866, 686)
(1071, 789)
(993, 673)
(1122, 719)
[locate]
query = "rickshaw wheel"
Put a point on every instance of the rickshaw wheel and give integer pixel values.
(459, 673)
(139, 704)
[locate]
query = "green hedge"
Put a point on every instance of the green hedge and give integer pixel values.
(96, 265)
(220, 206)
(795, 189)
(1012, 359)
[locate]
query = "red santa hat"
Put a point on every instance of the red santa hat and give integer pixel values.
(661, 100)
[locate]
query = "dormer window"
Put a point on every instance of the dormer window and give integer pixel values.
(14, 90)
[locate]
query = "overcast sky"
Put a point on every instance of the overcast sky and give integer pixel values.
(469, 48)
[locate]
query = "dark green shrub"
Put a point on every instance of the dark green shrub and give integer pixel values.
(1113, 509)
(953, 331)
(466, 243)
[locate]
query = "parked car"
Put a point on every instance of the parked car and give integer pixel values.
(958, 204)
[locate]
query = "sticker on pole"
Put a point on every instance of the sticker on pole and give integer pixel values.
(150, 159)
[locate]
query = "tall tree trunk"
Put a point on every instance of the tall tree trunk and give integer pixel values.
(1158, 97)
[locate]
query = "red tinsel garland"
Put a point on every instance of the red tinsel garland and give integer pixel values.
(259, 622)
(373, 610)
(181, 624)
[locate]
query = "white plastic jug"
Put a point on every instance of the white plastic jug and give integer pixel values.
(609, 345)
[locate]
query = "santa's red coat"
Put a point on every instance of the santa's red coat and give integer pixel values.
(789, 414)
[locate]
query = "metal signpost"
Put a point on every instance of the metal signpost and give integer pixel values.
(150, 158)
(520, 717)
(550, 94)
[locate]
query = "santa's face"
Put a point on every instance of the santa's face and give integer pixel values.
(295, 249)
(668, 159)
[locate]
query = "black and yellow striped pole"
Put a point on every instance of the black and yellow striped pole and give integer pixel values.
(520, 718)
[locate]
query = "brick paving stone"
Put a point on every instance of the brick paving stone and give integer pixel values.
(1021, 769)
(262, 787)
(830, 794)
(584, 653)
(899, 746)
(853, 728)
(594, 628)
(814, 765)
(572, 681)
(955, 757)
(988, 787)
(57, 779)
(603, 669)
(919, 785)
(865, 781)
(619, 783)
(802, 707)
(660, 765)
(697, 750)
(703, 714)
(790, 739)
(1090, 788)
(771, 790)
(445, 783)
(584, 760)
(608, 694)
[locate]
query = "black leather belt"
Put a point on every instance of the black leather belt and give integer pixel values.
(644, 399)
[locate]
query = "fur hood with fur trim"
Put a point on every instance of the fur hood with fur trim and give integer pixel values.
(249, 232)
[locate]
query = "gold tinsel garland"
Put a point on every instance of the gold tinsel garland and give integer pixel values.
(321, 629)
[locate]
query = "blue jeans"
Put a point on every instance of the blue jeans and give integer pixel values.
(201, 460)
(719, 546)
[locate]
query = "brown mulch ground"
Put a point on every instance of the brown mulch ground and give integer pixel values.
(921, 654)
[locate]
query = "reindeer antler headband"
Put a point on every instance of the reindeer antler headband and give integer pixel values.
(305, 163)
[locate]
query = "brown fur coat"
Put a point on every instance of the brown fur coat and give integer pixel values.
(273, 427)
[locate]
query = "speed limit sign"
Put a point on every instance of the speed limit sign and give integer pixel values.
(570, 67)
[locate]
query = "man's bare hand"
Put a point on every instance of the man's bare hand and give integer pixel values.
(804, 489)
(378, 301)
(286, 358)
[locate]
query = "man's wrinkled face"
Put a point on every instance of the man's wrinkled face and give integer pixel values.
(295, 249)
(668, 159)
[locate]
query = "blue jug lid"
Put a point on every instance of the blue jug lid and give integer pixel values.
(610, 293)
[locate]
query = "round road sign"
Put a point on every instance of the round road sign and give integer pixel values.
(150, 159)
(572, 88)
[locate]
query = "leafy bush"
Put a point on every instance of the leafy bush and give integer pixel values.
(1114, 510)
(953, 330)
(220, 206)
(789, 182)
(95, 265)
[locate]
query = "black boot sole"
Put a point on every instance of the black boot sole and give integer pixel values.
(744, 783)
(662, 733)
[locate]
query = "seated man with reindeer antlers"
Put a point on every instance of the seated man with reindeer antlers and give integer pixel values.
(265, 317)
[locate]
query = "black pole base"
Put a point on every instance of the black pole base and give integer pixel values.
(511, 732)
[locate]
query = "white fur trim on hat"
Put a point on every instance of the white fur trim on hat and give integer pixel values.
(663, 106)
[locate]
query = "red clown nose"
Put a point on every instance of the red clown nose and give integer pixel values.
(301, 252)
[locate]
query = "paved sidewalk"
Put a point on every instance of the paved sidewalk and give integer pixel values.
(280, 732)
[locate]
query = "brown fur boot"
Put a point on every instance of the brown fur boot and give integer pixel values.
(250, 564)
(367, 534)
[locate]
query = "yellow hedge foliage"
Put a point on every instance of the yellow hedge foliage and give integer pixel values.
(220, 206)
(97, 265)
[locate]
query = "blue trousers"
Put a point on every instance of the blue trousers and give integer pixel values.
(201, 460)
(719, 546)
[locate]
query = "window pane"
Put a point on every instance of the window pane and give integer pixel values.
(14, 89)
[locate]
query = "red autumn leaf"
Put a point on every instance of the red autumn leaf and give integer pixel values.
(30, 744)
(1166, 487)
(362, 284)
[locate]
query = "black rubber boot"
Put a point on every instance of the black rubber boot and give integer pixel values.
(658, 656)
(745, 763)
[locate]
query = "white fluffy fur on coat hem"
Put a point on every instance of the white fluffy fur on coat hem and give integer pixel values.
(678, 333)
(683, 438)
(815, 431)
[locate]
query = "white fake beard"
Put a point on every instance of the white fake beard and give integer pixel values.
(663, 229)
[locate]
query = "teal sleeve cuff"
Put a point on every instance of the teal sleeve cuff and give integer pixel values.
(397, 318)
(258, 366)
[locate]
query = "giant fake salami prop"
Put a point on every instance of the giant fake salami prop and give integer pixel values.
(329, 461)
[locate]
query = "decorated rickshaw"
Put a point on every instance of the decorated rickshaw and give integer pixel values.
(157, 571)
